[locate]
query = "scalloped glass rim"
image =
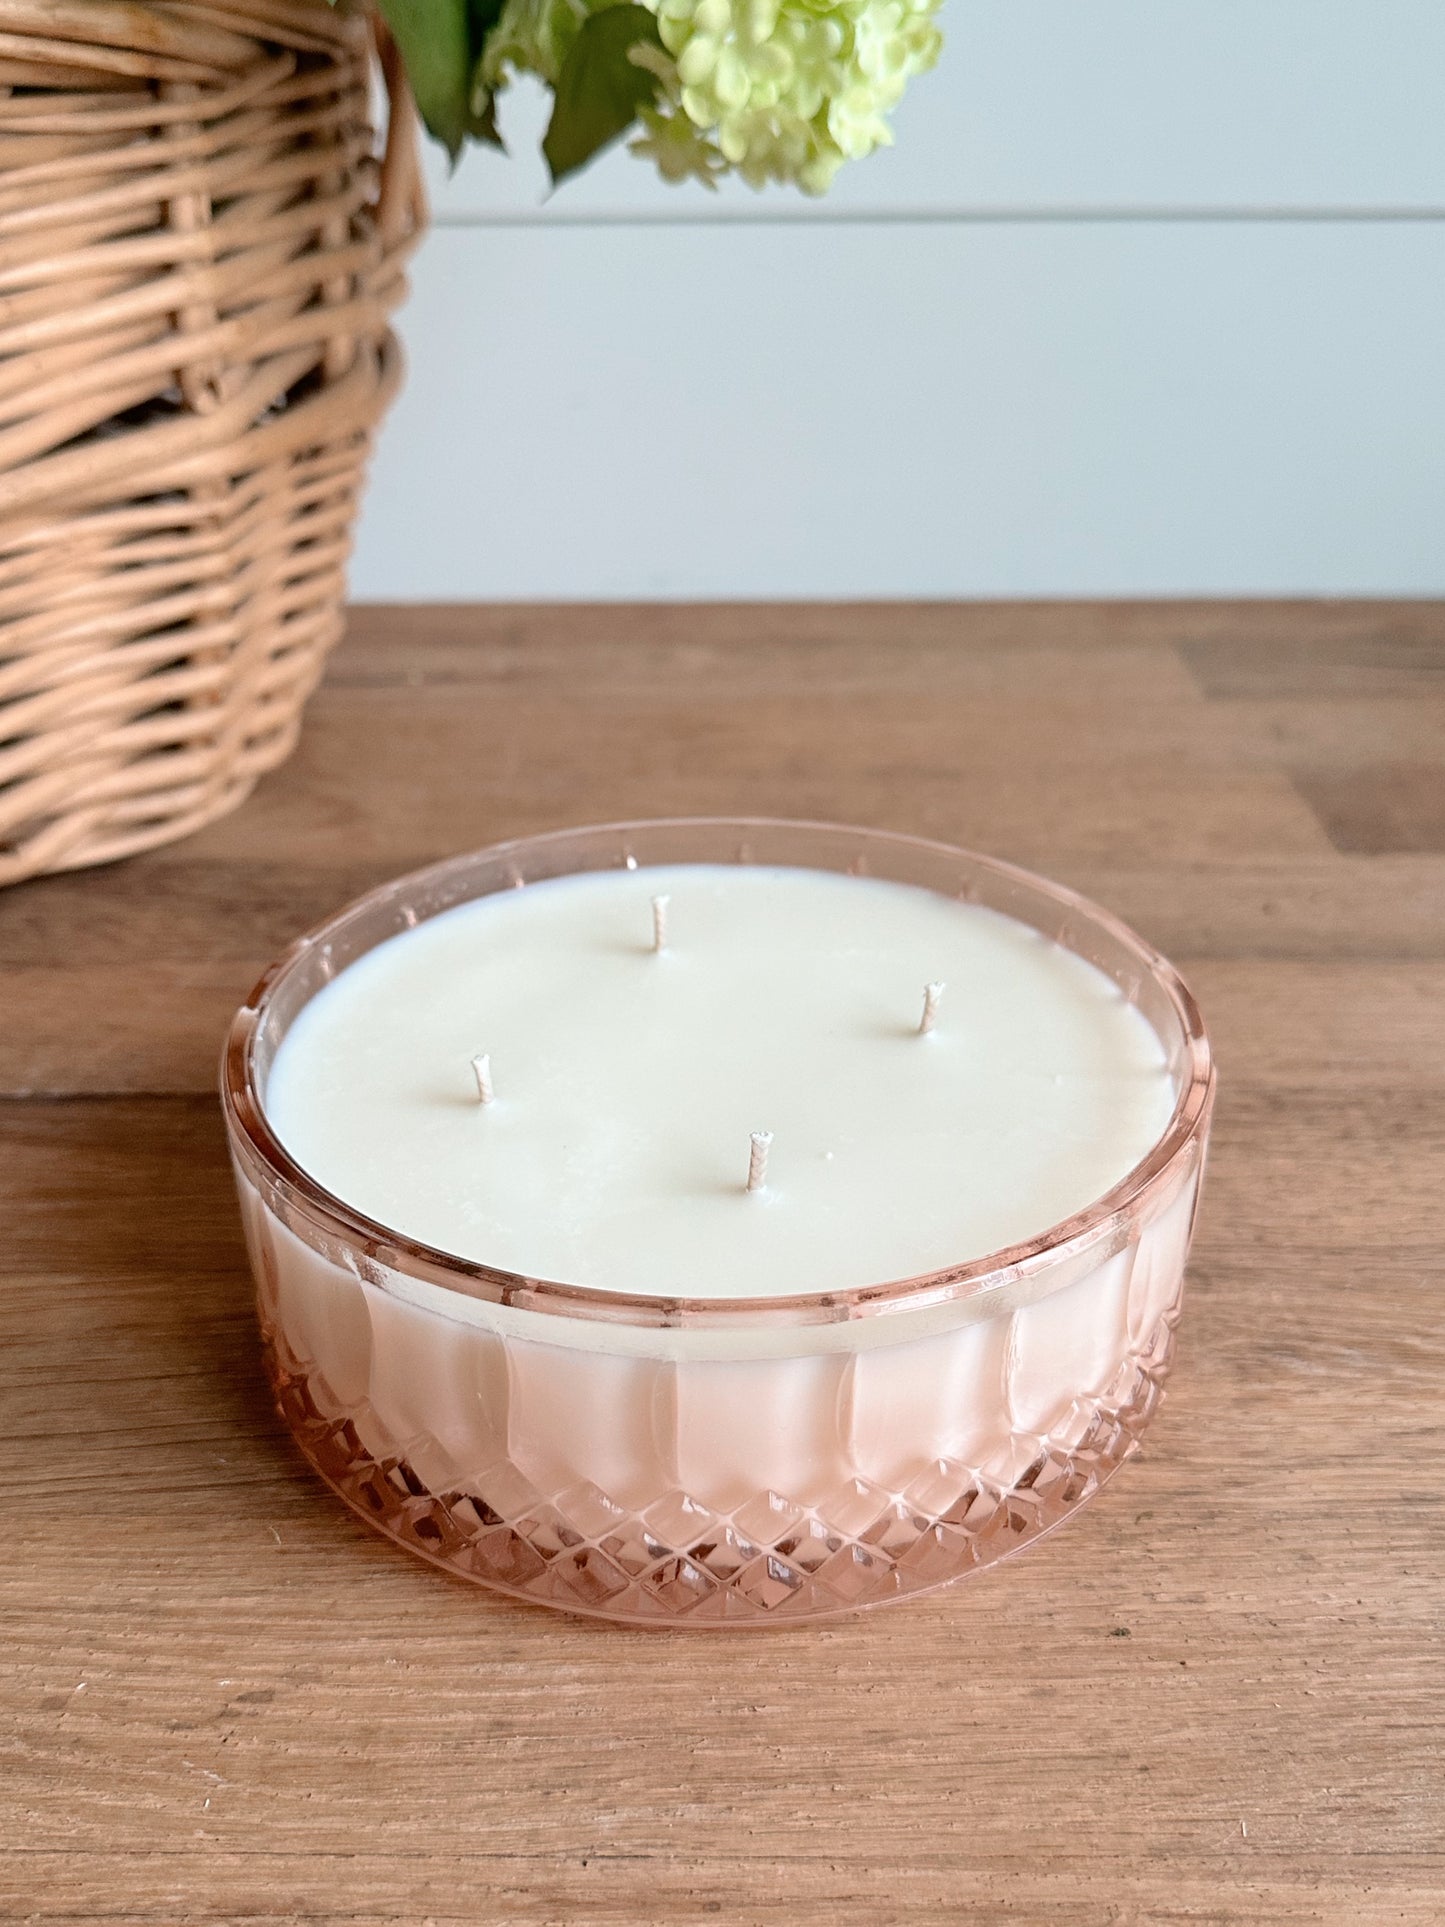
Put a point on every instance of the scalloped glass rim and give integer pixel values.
(1054, 910)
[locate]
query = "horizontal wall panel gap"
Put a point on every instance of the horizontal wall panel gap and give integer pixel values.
(824, 216)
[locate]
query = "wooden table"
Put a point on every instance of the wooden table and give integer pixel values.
(1218, 1696)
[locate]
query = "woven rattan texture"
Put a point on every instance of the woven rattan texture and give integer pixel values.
(199, 250)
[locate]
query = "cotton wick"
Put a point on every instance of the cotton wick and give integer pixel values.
(758, 1160)
(931, 995)
(483, 1068)
(659, 924)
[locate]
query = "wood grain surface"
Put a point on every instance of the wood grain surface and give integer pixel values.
(1216, 1697)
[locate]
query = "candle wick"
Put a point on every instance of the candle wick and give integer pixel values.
(762, 1143)
(659, 924)
(482, 1066)
(931, 995)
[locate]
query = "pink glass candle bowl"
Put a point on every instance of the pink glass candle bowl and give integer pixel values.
(715, 1462)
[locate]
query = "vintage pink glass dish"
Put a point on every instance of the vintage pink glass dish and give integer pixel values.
(704, 1462)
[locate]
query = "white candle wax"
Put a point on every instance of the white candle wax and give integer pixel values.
(628, 1076)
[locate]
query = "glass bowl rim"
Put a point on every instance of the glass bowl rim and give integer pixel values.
(255, 1144)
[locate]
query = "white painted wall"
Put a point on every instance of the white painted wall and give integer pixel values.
(1148, 299)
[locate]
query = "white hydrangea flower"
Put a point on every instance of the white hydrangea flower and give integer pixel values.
(680, 151)
(790, 89)
(780, 90)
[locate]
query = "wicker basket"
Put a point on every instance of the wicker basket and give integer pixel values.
(198, 255)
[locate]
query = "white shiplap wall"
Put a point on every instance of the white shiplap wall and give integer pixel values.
(1148, 299)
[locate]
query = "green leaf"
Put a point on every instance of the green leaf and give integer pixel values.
(599, 89)
(434, 37)
(482, 16)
